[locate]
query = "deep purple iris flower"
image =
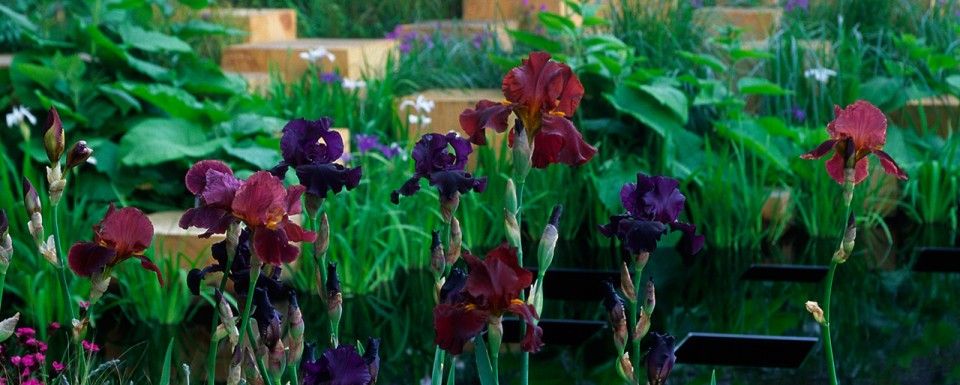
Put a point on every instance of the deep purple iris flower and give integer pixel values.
(434, 162)
(239, 270)
(311, 148)
(340, 366)
(653, 204)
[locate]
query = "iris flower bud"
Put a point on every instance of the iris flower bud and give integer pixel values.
(660, 359)
(437, 259)
(510, 201)
(548, 241)
(334, 299)
(31, 201)
(849, 236)
(296, 328)
(6, 243)
(625, 368)
(323, 236)
(78, 154)
(816, 311)
(650, 298)
(53, 141)
(522, 151)
(626, 284)
(618, 319)
(512, 227)
(448, 207)
(456, 242)
(371, 356)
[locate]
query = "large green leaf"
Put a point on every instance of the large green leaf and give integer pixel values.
(556, 22)
(705, 59)
(760, 86)
(42, 75)
(885, 93)
(174, 101)
(645, 108)
(120, 98)
(535, 41)
(151, 41)
(262, 158)
(671, 98)
(755, 138)
(157, 140)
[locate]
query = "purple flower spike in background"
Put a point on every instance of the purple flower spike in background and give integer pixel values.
(792, 5)
(329, 77)
(653, 204)
(434, 162)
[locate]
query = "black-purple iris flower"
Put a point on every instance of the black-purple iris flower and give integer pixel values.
(310, 147)
(340, 366)
(434, 161)
(239, 270)
(653, 204)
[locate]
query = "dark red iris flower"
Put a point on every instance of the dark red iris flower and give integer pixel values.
(264, 205)
(215, 187)
(653, 204)
(311, 147)
(120, 235)
(491, 289)
(857, 131)
(543, 94)
(338, 366)
(434, 161)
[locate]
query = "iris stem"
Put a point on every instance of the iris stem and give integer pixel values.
(3, 283)
(61, 271)
(828, 292)
(634, 309)
(260, 366)
(525, 356)
(212, 353)
(244, 321)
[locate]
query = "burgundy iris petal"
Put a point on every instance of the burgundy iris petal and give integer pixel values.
(88, 258)
(120, 235)
(456, 325)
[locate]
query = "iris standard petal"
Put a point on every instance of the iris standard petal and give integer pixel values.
(665, 202)
(196, 179)
(127, 230)
(497, 280)
(486, 114)
(261, 199)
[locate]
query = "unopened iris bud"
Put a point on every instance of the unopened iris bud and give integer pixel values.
(78, 154)
(849, 236)
(642, 327)
(626, 284)
(625, 368)
(233, 377)
(334, 296)
(650, 298)
(617, 316)
(296, 328)
(8, 326)
(4, 223)
(660, 359)
(512, 227)
(31, 201)
(6, 243)
(448, 207)
(371, 356)
(536, 298)
(276, 361)
(522, 151)
(456, 242)
(816, 311)
(495, 335)
(437, 259)
(57, 183)
(99, 283)
(510, 200)
(53, 141)
(48, 250)
(322, 244)
(548, 241)
(640, 260)
(227, 320)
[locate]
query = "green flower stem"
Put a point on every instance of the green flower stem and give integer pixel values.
(525, 356)
(634, 309)
(61, 271)
(260, 366)
(212, 353)
(3, 283)
(828, 339)
(244, 320)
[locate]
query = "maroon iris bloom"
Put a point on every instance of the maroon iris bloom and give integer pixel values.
(856, 132)
(653, 204)
(434, 161)
(213, 183)
(543, 94)
(264, 205)
(340, 366)
(492, 288)
(120, 235)
(660, 358)
(311, 148)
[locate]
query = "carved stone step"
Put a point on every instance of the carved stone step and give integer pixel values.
(352, 58)
(260, 24)
(755, 23)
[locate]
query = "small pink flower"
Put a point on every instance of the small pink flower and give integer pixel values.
(32, 381)
(53, 326)
(25, 332)
(58, 366)
(40, 357)
(15, 360)
(90, 347)
(28, 361)
(84, 305)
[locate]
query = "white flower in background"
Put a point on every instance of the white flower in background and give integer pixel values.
(17, 116)
(352, 84)
(420, 104)
(820, 74)
(316, 54)
(419, 119)
(92, 160)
